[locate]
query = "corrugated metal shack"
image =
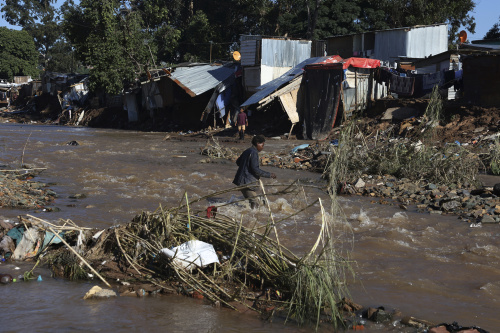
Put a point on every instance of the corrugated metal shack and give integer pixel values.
(391, 44)
(322, 94)
(266, 58)
(184, 95)
(313, 100)
(286, 89)
(391, 47)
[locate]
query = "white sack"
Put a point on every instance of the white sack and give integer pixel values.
(192, 253)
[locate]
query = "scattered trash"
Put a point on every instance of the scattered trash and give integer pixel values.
(304, 146)
(211, 212)
(98, 234)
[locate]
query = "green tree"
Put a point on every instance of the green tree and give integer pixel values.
(317, 19)
(161, 22)
(494, 32)
(110, 38)
(61, 59)
(206, 24)
(40, 19)
(18, 55)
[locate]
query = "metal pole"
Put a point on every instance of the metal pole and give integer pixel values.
(355, 90)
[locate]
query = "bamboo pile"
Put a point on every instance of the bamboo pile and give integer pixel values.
(255, 271)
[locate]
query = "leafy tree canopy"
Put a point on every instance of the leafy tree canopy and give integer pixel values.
(494, 32)
(120, 39)
(110, 39)
(18, 55)
(41, 20)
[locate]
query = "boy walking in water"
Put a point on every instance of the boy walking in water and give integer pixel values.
(249, 171)
(242, 123)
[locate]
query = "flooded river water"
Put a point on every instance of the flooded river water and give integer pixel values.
(431, 267)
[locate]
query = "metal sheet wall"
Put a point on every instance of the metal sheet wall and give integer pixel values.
(249, 52)
(426, 41)
(284, 53)
(416, 42)
(389, 45)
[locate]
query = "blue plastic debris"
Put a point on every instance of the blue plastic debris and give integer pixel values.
(335, 142)
(304, 146)
(39, 278)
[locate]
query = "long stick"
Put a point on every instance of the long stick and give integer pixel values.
(19, 170)
(22, 157)
(79, 257)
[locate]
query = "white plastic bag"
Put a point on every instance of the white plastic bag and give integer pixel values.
(192, 253)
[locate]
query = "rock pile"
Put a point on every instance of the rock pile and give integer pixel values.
(473, 205)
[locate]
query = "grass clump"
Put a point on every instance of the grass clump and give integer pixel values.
(494, 158)
(67, 265)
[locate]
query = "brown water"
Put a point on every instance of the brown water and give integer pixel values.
(432, 267)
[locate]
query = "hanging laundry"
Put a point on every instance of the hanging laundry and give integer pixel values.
(430, 80)
(403, 86)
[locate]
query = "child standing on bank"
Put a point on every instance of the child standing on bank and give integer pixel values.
(242, 123)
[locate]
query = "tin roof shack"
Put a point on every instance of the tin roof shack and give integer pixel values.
(55, 83)
(266, 58)
(287, 89)
(25, 87)
(442, 62)
(480, 79)
(293, 92)
(389, 45)
(185, 96)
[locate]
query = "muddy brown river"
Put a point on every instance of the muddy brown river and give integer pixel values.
(431, 267)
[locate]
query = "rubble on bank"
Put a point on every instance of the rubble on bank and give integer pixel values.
(18, 190)
(439, 193)
(472, 205)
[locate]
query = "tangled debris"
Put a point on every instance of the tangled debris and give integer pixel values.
(17, 190)
(252, 268)
(214, 149)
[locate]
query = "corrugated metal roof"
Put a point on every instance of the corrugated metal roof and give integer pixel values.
(481, 46)
(274, 85)
(196, 80)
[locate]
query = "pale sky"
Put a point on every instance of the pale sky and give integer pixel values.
(486, 13)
